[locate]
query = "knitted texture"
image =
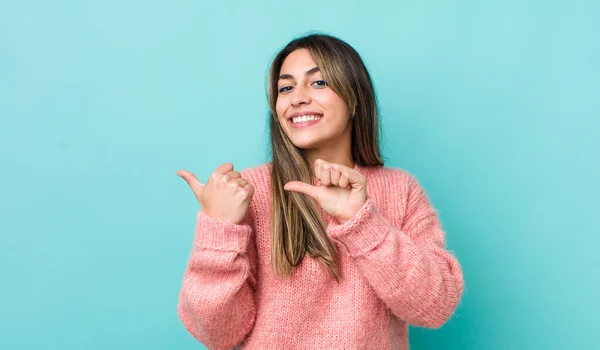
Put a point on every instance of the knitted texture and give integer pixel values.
(394, 265)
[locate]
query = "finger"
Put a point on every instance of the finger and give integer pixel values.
(344, 181)
(325, 174)
(342, 167)
(335, 177)
(317, 168)
(192, 181)
(224, 168)
(234, 175)
(248, 187)
(242, 182)
(356, 179)
(302, 187)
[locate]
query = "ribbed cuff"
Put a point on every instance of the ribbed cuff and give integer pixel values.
(363, 232)
(212, 233)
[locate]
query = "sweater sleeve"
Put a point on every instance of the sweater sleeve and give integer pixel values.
(408, 267)
(216, 301)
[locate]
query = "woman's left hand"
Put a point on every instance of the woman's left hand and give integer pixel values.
(342, 191)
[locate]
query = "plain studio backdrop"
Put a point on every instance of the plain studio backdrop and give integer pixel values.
(493, 105)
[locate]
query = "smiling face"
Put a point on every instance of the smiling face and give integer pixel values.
(311, 114)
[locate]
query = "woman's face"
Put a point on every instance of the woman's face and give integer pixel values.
(311, 114)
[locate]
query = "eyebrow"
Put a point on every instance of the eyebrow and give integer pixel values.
(308, 72)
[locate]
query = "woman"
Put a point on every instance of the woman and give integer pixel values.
(323, 247)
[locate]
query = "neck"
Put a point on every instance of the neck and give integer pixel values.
(338, 151)
(330, 155)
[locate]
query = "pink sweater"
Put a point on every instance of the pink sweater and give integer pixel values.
(395, 271)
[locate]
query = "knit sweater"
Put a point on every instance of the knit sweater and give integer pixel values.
(394, 266)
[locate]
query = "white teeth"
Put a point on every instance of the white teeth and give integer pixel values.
(305, 118)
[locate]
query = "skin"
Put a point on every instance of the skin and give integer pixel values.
(327, 144)
(226, 196)
(331, 137)
(342, 190)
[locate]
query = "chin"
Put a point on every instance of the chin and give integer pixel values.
(311, 142)
(305, 145)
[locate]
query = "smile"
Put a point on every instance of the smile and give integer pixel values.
(304, 120)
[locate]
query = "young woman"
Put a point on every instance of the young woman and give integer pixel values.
(323, 247)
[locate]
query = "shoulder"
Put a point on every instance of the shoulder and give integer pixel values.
(259, 176)
(258, 172)
(388, 175)
(395, 187)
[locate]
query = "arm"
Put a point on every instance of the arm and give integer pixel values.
(408, 268)
(216, 302)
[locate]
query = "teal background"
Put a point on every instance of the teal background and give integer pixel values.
(493, 105)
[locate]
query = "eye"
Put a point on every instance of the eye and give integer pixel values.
(284, 89)
(319, 84)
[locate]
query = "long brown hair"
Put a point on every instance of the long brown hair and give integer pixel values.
(296, 223)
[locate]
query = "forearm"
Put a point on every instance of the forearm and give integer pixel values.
(216, 302)
(420, 283)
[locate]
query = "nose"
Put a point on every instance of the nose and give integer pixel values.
(300, 96)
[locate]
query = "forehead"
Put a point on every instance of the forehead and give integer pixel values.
(298, 62)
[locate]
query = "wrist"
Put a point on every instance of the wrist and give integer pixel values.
(345, 219)
(217, 217)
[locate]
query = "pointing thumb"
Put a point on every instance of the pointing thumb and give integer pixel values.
(192, 181)
(302, 187)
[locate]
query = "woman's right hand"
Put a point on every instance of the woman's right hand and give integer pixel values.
(226, 196)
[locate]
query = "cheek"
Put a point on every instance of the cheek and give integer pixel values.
(280, 107)
(335, 104)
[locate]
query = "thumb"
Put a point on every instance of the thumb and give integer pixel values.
(302, 187)
(192, 181)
